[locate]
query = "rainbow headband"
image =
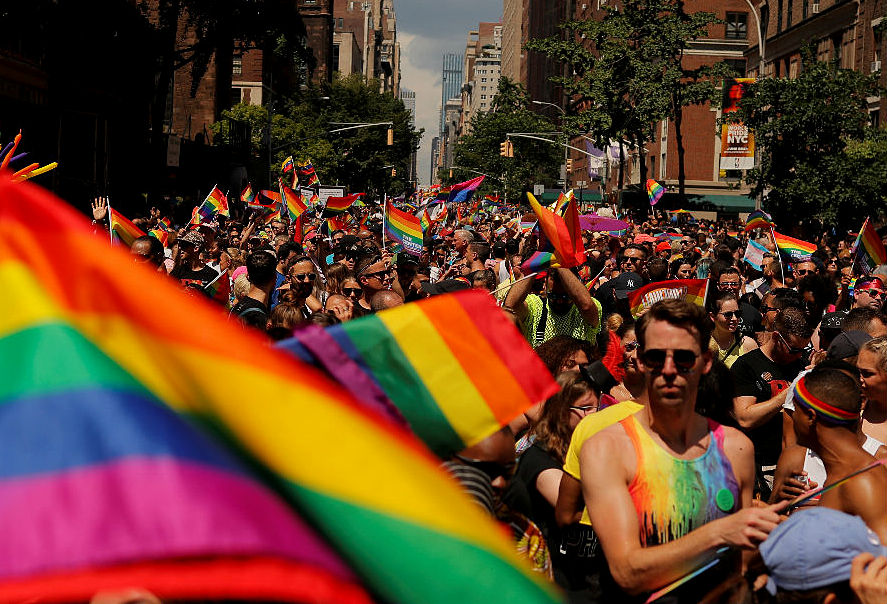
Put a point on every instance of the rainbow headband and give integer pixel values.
(828, 413)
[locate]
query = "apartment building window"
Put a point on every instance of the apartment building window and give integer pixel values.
(805, 9)
(341, 22)
(483, 97)
(788, 14)
(737, 26)
(236, 66)
(483, 79)
(779, 16)
(236, 95)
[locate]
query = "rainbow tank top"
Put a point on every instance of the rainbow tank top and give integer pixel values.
(675, 496)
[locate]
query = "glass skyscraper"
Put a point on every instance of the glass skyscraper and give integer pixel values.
(451, 82)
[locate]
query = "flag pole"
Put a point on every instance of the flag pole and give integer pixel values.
(110, 228)
(509, 285)
(384, 215)
(778, 254)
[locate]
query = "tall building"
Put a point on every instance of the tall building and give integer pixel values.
(450, 84)
(317, 15)
(852, 33)
(408, 97)
(435, 160)
(365, 41)
(512, 41)
(482, 65)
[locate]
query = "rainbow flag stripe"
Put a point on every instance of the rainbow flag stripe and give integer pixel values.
(295, 205)
(425, 221)
(691, 290)
(143, 436)
(655, 191)
(403, 228)
(759, 219)
(868, 249)
(563, 233)
(122, 229)
(537, 262)
(161, 235)
(339, 205)
(829, 413)
(793, 249)
(247, 195)
(454, 366)
(218, 201)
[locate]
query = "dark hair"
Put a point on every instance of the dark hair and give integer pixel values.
(657, 268)
(555, 351)
(290, 247)
(813, 596)
(552, 430)
(859, 319)
(679, 313)
(751, 299)
(715, 303)
(792, 321)
(499, 248)
(716, 392)
(635, 246)
(724, 254)
(676, 265)
(261, 268)
(481, 248)
(784, 297)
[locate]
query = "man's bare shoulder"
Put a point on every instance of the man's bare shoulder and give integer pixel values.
(737, 442)
(610, 444)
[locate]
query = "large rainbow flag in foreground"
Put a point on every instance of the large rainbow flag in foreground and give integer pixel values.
(454, 366)
(691, 290)
(129, 457)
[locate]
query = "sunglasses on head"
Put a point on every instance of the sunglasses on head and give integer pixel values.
(380, 275)
(684, 360)
(493, 469)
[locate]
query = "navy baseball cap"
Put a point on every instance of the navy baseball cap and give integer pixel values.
(815, 548)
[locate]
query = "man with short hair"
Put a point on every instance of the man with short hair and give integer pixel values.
(667, 488)
(762, 377)
(286, 253)
(804, 268)
(633, 259)
(869, 292)
(373, 275)
(189, 268)
(149, 250)
(385, 299)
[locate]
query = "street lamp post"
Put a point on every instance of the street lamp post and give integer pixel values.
(566, 148)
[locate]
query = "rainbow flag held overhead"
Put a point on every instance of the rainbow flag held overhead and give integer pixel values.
(247, 196)
(759, 219)
(295, 205)
(655, 191)
(560, 204)
(443, 194)
(338, 205)
(306, 173)
(539, 261)
(691, 290)
(114, 426)
(331, 225)
(161, 235)
(464, 190)
(868, 250)
(122, 229)
(217, 202)
(425, 220)
(793, 250)
(404, 229)
(562, 232)
(454, 366)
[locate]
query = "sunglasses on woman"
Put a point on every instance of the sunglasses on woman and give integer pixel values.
(730, 314)
(350, 291)
(684, 360)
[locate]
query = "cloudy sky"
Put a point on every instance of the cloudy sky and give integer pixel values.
(426, 29)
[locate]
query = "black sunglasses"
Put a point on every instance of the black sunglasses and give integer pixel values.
(493, 469)
(731, 314)
(348, 291)
(305, 277)
(791, 349)
(655, 358)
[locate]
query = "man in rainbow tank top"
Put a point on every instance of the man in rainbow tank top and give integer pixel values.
(668, 490)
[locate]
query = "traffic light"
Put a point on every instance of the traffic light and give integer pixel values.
(451, 172)
(506, 149)
(569, 165)
(390, 135)
(393, 172)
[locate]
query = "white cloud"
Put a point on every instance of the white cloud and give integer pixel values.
(425, 81)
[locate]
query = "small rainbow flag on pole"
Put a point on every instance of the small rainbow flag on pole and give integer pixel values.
(338, 205)
(122, 229)
(403, 228)
(295, 205)
(161, 235)
(655, 191)
(247, 195)
(792, 249)
(563, 233)
(113, 427)
(425, 220)
(454, 366)
(691, 290)
(868, 249)
(759, 219)
(216, 203)
(219, 289)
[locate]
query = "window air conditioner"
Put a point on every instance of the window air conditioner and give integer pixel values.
(815, 8)
(876, 66)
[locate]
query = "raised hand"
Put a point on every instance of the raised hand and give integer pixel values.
(100, 208)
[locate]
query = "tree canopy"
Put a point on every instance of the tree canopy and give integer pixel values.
(820, 158)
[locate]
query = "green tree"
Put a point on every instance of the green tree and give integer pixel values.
(533, 161)
(819, 156)
(627, 73)
(359, 158)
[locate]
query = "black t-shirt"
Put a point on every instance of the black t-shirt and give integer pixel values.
(191, 278)
(251, 312)
(751, 320)
(758, 376)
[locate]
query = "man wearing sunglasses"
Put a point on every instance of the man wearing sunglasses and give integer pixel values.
(869, 292)
(762, 377)
(667, 488)
(375, 274)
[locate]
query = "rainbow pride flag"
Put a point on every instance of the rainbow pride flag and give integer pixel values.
(333, 224)
(454, 366)
(464, 190)
(403, 228)
(161, 235)
(560, 204)
(655, 191)
(217, 202)
(295, 205)
(868, 249)
(759, 219)
(425, 221)
(247, 195)
(691, 290)
(443, 194)
(563, 233)
(339, 205)
(219, 289)
(792, 249)
(125, 461)
(539, 261)
(122, 229)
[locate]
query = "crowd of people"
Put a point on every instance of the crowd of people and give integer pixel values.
(681, 439)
